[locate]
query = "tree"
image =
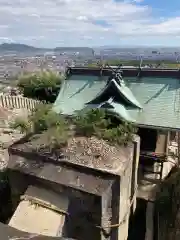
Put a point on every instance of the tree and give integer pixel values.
(42, 85)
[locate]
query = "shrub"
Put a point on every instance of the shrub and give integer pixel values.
(40, 85)
(96, 122)
(57, 129)
(22, 125)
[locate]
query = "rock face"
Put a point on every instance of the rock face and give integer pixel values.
(6, 139)
(8, 135)
(3, 159)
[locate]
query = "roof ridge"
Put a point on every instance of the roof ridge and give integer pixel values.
(123, 90)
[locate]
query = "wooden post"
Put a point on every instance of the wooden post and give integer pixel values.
(149, 221)
(178, 148)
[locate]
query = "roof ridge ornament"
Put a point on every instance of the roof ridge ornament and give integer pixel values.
(109, 102)
(101, 66)
(119, 79)
(117, 74)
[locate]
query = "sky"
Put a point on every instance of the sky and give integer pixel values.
(52, 23)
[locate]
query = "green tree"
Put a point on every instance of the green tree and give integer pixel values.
(42, 85)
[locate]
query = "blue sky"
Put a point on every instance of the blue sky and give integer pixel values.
(51, 23)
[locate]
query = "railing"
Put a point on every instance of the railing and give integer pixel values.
(17, 102)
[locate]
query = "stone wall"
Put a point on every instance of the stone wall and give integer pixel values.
(125, 200)
(84, 211)
(106, 213)
(99, 200)
(128, 190)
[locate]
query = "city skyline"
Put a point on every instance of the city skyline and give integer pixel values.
(90, 23)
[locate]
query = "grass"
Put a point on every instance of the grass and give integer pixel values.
(57, 129)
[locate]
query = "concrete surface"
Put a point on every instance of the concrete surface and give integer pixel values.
(37, 219)
(113, 189)
(60, 202)
(10, 233)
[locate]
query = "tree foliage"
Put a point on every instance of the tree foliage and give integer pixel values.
(42, 85)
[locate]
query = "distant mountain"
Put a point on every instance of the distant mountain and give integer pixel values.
(73, 49)
(17, 47)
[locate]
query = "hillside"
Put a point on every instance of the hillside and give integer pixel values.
(17, 47)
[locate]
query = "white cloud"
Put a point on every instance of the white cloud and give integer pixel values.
(72, 22)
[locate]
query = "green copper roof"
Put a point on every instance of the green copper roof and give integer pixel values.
(146, 101)
(119, 109)
(128, 95)
(76, 91)
(160, 98)
(117, 90)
